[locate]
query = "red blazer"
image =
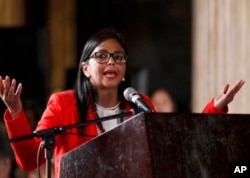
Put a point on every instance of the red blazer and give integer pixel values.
(61, 110)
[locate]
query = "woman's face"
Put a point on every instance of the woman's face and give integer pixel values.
(162, 101)
(106, 75)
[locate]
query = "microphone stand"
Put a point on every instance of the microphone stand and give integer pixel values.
(48, 135)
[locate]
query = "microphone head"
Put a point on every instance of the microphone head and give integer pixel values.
(129, 93)
(132, 95)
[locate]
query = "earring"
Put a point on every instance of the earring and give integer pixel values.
(87, 76)
(123, 79)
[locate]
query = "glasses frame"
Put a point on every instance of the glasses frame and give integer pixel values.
(108, 58)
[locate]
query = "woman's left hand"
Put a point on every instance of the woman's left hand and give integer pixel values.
(227, 95)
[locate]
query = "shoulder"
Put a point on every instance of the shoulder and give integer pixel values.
(147, 100)
(145, 97)
(66, 96)
(66, 93)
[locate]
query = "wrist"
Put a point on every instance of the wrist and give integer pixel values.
(13, 114)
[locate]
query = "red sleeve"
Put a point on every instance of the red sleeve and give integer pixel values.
(210, 109)
(25, 150)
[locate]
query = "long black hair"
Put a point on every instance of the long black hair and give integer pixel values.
(83, 89)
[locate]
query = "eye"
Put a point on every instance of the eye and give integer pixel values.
(120, 57)
(101, 55)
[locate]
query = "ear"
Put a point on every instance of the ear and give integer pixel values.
(85, 69)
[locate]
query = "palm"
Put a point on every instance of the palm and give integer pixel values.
(10, 96)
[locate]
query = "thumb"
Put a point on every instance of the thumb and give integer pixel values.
(225, 89)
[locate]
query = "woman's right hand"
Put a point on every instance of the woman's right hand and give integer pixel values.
(10, 95)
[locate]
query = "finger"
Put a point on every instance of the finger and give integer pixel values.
(225, 89)
(1, 85)
(12, 88)
(19, 90)
(238, 86)
(239, 83)
(6, 85)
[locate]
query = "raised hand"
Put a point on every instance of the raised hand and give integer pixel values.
(10, 95)
(227, 95)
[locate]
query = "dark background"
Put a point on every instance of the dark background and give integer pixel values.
(158, 35)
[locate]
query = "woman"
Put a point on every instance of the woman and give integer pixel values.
(102, 78)
(162, 100)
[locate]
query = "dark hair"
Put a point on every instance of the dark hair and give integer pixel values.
(83, 89)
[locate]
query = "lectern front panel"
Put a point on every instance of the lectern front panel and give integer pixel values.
(160, 145)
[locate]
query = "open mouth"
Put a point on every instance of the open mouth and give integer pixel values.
(110, 74)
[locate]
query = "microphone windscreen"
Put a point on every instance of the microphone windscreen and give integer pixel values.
(128, 93)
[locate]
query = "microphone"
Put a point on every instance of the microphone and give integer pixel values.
(132, 95)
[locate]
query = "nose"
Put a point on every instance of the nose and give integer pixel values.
(111, 60)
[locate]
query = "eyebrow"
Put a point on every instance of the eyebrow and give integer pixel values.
(104, 50)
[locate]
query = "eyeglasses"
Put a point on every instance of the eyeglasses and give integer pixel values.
(103, 57)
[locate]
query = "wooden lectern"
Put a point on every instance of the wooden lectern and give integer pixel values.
(160, 145)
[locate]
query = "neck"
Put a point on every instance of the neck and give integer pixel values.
(107, 98)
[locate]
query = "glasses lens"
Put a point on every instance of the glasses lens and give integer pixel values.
(120, 58)
(101, 57)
